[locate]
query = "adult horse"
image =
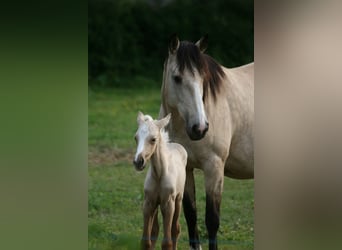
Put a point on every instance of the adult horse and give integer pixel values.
(212, 117)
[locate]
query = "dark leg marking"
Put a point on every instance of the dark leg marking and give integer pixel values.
(212, 219)
(190, 212)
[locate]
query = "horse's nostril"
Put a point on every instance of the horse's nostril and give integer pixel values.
(206, 127)
(195, 128)
(139, 163)
(196, 132)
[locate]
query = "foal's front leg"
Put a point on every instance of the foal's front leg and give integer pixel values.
(167, 209)
(175, 230)
(148, 211)
(155, 228)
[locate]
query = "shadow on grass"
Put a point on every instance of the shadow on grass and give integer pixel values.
(131, 242)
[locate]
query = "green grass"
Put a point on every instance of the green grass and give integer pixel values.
(116, 189)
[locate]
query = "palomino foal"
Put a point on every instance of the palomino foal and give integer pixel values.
(165, 180)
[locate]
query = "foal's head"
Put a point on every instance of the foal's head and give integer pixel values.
(189, 77)
(147, 138)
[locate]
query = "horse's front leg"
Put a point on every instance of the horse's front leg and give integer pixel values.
(190, 211)
(167, 208)
(214, 177)
(148, 211)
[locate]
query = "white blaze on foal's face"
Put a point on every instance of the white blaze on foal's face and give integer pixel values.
(147, 137)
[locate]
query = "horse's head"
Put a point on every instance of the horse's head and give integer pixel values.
(187, 80)
(147, 137)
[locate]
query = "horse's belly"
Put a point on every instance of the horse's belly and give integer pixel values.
(240, 162)
(237, 169)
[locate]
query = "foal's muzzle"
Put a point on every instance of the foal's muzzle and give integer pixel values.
(139, 163)
(196, 133)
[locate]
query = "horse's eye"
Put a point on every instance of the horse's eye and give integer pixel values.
(153, 140)
(177, 79)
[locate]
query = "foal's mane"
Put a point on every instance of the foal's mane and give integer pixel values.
(164, 134)
(189, 56)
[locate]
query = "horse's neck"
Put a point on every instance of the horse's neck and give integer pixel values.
(159, 159)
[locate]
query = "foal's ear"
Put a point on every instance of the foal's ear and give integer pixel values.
(202, 43)
(163, 122)
(140, 117)
(173, 43)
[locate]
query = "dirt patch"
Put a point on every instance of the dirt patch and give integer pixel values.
(108, 156)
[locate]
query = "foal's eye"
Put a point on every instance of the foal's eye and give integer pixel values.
(153, 140)
(177, 79)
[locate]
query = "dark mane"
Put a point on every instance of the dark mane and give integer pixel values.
(189, 56)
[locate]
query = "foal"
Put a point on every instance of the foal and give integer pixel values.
(164, 183)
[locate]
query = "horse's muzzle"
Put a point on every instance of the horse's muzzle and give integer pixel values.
(195, 133)
(139, 163)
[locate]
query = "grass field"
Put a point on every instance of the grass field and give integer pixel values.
(115, 194)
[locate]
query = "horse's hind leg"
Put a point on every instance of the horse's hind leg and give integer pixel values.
(155, 229)
(190, 211)
(214, 177)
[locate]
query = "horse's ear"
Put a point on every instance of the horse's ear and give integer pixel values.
(202, 43)
(163, 122)
(173, 44)
(140, 117)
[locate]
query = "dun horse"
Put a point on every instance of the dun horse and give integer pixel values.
(212, 117)
(164, 183)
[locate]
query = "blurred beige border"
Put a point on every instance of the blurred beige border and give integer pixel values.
(298, 52)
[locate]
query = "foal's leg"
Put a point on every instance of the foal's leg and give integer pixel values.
(155, 228)
(167, 209)
(148, 211)
(190, 211)
(214, 177)
(175, 230)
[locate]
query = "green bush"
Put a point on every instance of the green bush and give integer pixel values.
(130, 38)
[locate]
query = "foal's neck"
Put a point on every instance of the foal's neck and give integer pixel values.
(159, 162)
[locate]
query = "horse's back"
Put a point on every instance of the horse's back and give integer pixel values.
(246, 68)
